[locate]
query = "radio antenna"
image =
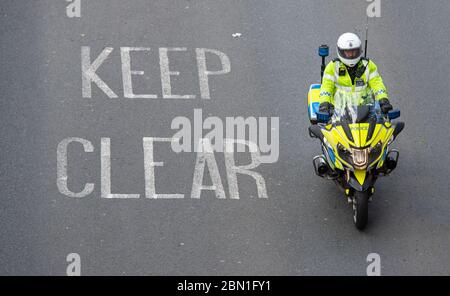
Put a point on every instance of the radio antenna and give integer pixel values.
(367, 36)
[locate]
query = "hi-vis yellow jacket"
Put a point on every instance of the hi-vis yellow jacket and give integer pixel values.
(337, 76)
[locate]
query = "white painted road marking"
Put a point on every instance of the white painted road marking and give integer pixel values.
(166, 73)
(205, 152)
(206, 156)
(61, 167)
(106, 172)
(203, 72)
(90, 76)
(127, 72)
(233, 170)
(150, 164)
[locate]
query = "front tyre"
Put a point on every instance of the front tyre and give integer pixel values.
(360, 209)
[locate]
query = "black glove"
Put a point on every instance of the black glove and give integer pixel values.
(385, 106)
(326, 108)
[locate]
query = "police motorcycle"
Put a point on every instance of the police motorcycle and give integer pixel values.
(356, 143)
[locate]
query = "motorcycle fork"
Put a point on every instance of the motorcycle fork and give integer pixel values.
(349, 192)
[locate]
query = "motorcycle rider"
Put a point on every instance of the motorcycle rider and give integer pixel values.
(352, 72)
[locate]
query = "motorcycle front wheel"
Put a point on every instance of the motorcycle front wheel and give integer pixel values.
(361, 209)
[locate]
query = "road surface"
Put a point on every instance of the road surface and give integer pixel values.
(303, 227)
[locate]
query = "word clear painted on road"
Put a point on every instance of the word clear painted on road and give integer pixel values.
(89, 69)
(205, 159)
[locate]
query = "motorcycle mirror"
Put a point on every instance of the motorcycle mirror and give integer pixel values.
(323, 117)
(393, 114)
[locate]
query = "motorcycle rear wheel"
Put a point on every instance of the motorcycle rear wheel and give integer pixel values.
(361, 209)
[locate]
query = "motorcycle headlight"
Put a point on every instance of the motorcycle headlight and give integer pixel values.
(344, 154)
(360, 158)
(375, 152)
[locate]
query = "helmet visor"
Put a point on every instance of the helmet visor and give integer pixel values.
(350, 53)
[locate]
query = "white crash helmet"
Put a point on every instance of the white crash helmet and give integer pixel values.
(349, 49)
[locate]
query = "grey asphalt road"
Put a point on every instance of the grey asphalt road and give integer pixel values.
(304, 227)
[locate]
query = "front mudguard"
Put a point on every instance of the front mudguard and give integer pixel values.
(369, 182)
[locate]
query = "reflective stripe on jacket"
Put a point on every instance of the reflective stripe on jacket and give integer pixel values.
(332, 80)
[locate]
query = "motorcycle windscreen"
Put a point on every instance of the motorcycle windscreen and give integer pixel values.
(357, 113)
